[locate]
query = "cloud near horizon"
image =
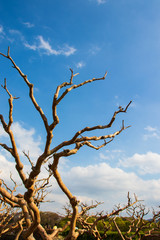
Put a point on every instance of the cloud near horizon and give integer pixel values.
(100, 181)
(148, 163)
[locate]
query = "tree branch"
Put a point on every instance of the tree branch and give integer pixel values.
(30, 85)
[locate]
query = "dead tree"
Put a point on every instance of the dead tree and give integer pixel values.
(139, 228)
(8, 213)
(134, 212)
(91, 227)
(27, 201)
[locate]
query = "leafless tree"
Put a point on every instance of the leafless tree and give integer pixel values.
(139, 227)
(134, 213)
(8, 213)
(91, 227)
(28, 202)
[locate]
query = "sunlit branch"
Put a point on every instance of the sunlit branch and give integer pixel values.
(57, 100)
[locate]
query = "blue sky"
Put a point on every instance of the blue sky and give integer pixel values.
(121, 36)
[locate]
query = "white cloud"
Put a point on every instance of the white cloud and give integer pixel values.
(2, 132)
(44, 46)
(117, 151)
(104, 183)
(47, 49)
(150, 129)
(9, 167)
(99, 182)
(28, 24)
(2, 33)
(80, 64)
(94, 179)
(94, 49)
(101, 1)
(111, 154)
(26, 141)
(32, 47)
(1, 29)
(103, 156)
(6, 168)
(67, 50)
(16, 33)
(151, 133)
(148, 163)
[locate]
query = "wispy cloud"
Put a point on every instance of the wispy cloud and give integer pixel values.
(152, 132)
(117, 151)
(104, 157)
(150, 129)
(94, 50)
(67, 50)
(18, 33)
(1, 29)
(45, 48)
(111, 154)
(28, 24)
(2, 33)
(32, 47)
(80, 64)
(44, 45)
(101, 1)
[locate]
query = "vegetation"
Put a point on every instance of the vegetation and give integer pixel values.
(50, 219)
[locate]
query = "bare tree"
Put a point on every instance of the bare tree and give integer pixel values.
(139, 227)
(134, 213)
(28, 202)
(106, 218)
(8, 212)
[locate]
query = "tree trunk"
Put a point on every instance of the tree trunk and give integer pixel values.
(43, 233)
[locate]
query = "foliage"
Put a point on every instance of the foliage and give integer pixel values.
(49, 219)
